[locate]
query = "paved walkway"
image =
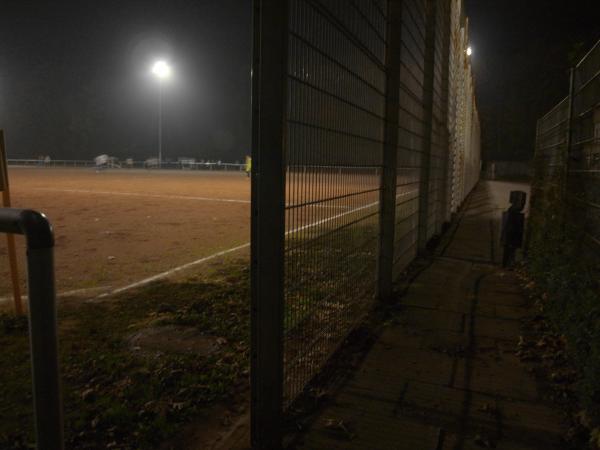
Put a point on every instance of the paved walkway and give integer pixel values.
(444, 375)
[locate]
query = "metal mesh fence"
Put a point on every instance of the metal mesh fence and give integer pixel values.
(583, 188)
(463, 117)
(351, 129)
(439, 129)
(336, 119)
(551, 144)
(411, 132)
(567, 160)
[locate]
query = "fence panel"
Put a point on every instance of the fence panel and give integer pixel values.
(411, 132)
(356, 153)
(439, 125)
(583, 180)
(567, 159)
(336, 119)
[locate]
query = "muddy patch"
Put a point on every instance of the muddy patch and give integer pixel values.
(173, 339)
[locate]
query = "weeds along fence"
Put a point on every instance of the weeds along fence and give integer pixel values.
(365, 141)
(564, 234)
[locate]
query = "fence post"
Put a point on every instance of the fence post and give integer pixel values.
(569, 140)
(387, 196)
(446, 166)
(425, 177)
(10, 239)
(269, 102)
(534, 191)
(47, 397)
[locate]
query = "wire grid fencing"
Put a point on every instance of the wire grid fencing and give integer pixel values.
(439, 130)
(463, 117)
(567, 158)
(336, 119)
(411, 135)
(583, 176)
(551, 148)
(326, 114)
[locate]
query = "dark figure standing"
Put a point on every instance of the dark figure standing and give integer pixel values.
(513, 223)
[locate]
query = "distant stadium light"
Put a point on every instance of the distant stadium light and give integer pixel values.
(469, 51)
(161, 69)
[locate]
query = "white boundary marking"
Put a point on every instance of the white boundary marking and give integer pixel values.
(138, 194)
(170, 272)
(167, 196)
(60, 294)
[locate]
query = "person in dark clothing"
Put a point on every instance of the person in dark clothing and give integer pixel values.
(513, 224)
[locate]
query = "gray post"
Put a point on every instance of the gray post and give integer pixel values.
(425, 178)
(269, 103)
(387, 194)
(42, 322)
(44, 348)
(569, 138)
(534, 192)
(159, 124)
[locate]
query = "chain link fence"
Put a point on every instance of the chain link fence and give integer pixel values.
(358, 160)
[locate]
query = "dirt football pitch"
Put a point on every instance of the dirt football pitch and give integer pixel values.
(118, 227)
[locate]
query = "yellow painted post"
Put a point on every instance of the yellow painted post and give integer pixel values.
(10, 238)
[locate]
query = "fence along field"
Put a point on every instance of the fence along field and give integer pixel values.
(378, 98)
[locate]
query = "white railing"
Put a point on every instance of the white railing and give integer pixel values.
(180, 165)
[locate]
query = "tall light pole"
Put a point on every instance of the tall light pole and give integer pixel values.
(162, 71)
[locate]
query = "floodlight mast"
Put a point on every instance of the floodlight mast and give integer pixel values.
(162, 71)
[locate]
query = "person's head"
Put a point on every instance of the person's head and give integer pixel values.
(518, 199)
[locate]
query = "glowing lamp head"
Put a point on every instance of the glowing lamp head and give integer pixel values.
(469, 51)
(161, 70)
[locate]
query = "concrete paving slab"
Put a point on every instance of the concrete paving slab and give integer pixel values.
(443, 374)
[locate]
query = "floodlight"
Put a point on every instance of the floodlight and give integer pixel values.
(161, 69)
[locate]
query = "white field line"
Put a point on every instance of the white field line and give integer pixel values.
(60, 294)
(170, 272)
(167, 196)
(138, 194)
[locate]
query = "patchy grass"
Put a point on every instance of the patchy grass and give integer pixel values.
(116, 397)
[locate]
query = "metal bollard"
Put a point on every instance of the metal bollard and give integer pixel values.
(42, 322)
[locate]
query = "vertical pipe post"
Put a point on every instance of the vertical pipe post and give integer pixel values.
(42, 322)
(10, 238)
(269, 106)
(12, 259)
(569, 137)
(44, 348)
(387, 200)
(534, 192)
(424, 180)
(159, 124)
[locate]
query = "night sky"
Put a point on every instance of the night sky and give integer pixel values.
(522, 52)
(75, 82)
(75, 78)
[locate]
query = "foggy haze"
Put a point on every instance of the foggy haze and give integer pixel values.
(75, 78)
